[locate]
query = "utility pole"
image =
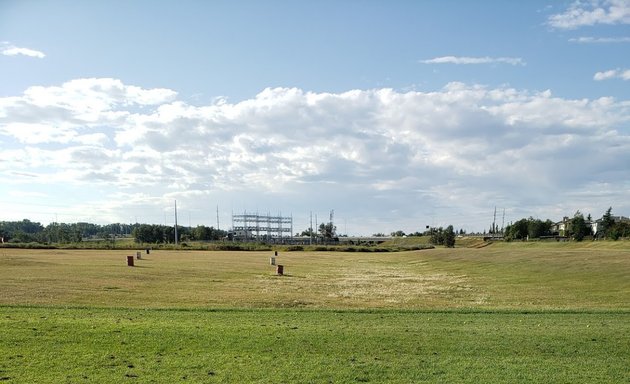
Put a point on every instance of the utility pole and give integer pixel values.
(175, 222)
(310, 234)
(218, 217)
(332, 225)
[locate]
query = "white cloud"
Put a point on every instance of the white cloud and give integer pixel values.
(35, 133)
(452, 152)
(600, 40)
(93, 96)
(588, 13)
(474, 60)
(623, 74)
(72, 111)
(9, 49)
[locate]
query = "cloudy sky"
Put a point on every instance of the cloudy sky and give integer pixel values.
(397, 115)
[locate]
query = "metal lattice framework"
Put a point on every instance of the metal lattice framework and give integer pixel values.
(249, 226)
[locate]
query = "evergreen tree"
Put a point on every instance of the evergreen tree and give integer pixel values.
(607, 224)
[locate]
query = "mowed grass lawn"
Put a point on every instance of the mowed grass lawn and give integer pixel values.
(503, 313)
(57, 345)
(518, 276)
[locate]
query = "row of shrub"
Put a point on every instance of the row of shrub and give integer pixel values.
(217, 247)
(31, 245)
(353, 248)
(75, 245)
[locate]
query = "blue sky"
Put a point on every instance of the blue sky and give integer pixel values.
(395, 114)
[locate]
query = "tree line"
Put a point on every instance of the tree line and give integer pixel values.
(26, 231)
(578, 227)
(442, 236)
(151, 233)
(326, 231)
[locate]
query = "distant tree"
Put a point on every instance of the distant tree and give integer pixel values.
(169, 234)
(158, 233)
(620, 229)
(308, 232)
(22, 237)
(518, 230)
(328, 230)
(398, 233)
(449, 237)
(436, 236)
(578, 228)
(528, 228)
(86, 229)
(184, 233)
(143, 234)
(537, 228)
(201, 233)
(23, 231)
(151, 233)
(379, 234)
(548, 228)
(29, 226)
(607, 224)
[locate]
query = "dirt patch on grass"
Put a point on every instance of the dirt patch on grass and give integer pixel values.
(394, 285)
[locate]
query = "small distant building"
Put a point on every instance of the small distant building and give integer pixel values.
(561, 227)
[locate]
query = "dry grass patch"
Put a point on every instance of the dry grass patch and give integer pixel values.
(393, 285)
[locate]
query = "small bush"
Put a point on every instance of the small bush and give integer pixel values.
(31, 245)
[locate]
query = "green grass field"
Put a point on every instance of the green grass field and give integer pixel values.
(503, 313)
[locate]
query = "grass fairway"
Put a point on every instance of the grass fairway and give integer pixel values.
(504, 313)
(519, 276)
(56, 345)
